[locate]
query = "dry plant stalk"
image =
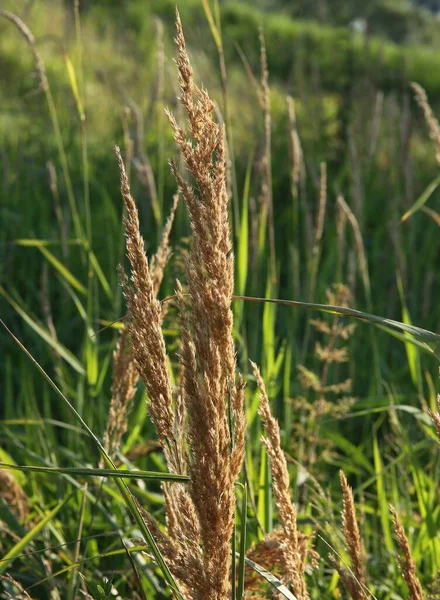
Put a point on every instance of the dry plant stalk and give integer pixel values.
(292, 545)
(200, 518)
(266, 199)
(431, 121)
(319, 229)
(354, 579)
(406, 561)
(163, 253)
(321, 385)
(295, 148)
(360, 249)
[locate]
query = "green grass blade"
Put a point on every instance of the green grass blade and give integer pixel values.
(422, 199)
(74, 85)
(243, 239)
(37, 243)
(412, 353)
(429, 341)
(100, 274)
(86, 472)
(45, 335)
(381, 496)
(19, 546)
(92, 361)
(212, 26)
(64, 271)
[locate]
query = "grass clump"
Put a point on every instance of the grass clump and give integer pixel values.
(191, 502)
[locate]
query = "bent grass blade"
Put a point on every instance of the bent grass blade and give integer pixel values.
(427, 340)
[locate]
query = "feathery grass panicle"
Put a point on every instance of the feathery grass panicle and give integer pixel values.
(293, 545)
(350, 529)
(180, 545)
(148, 345)
(406, 561)
(125, 378)
(353, 578)
(207, 354)
(431, 121)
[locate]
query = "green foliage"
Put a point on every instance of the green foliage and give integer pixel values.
(58, 288)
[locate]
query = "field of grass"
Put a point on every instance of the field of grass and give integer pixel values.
(132, 410)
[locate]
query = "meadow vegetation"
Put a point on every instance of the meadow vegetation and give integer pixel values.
(219, 353)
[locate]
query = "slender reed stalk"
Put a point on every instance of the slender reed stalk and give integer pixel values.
(266, 199)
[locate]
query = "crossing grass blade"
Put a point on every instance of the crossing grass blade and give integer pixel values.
(84, 472)
(125, 492)
(422, 199)
(44, 334)
(79, 563)
(271, 579)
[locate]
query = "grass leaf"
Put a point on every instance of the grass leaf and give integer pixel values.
(85, 472)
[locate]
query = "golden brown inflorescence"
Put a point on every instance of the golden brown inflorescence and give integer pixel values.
(406, 562)
(353, 579)
(193, 424)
